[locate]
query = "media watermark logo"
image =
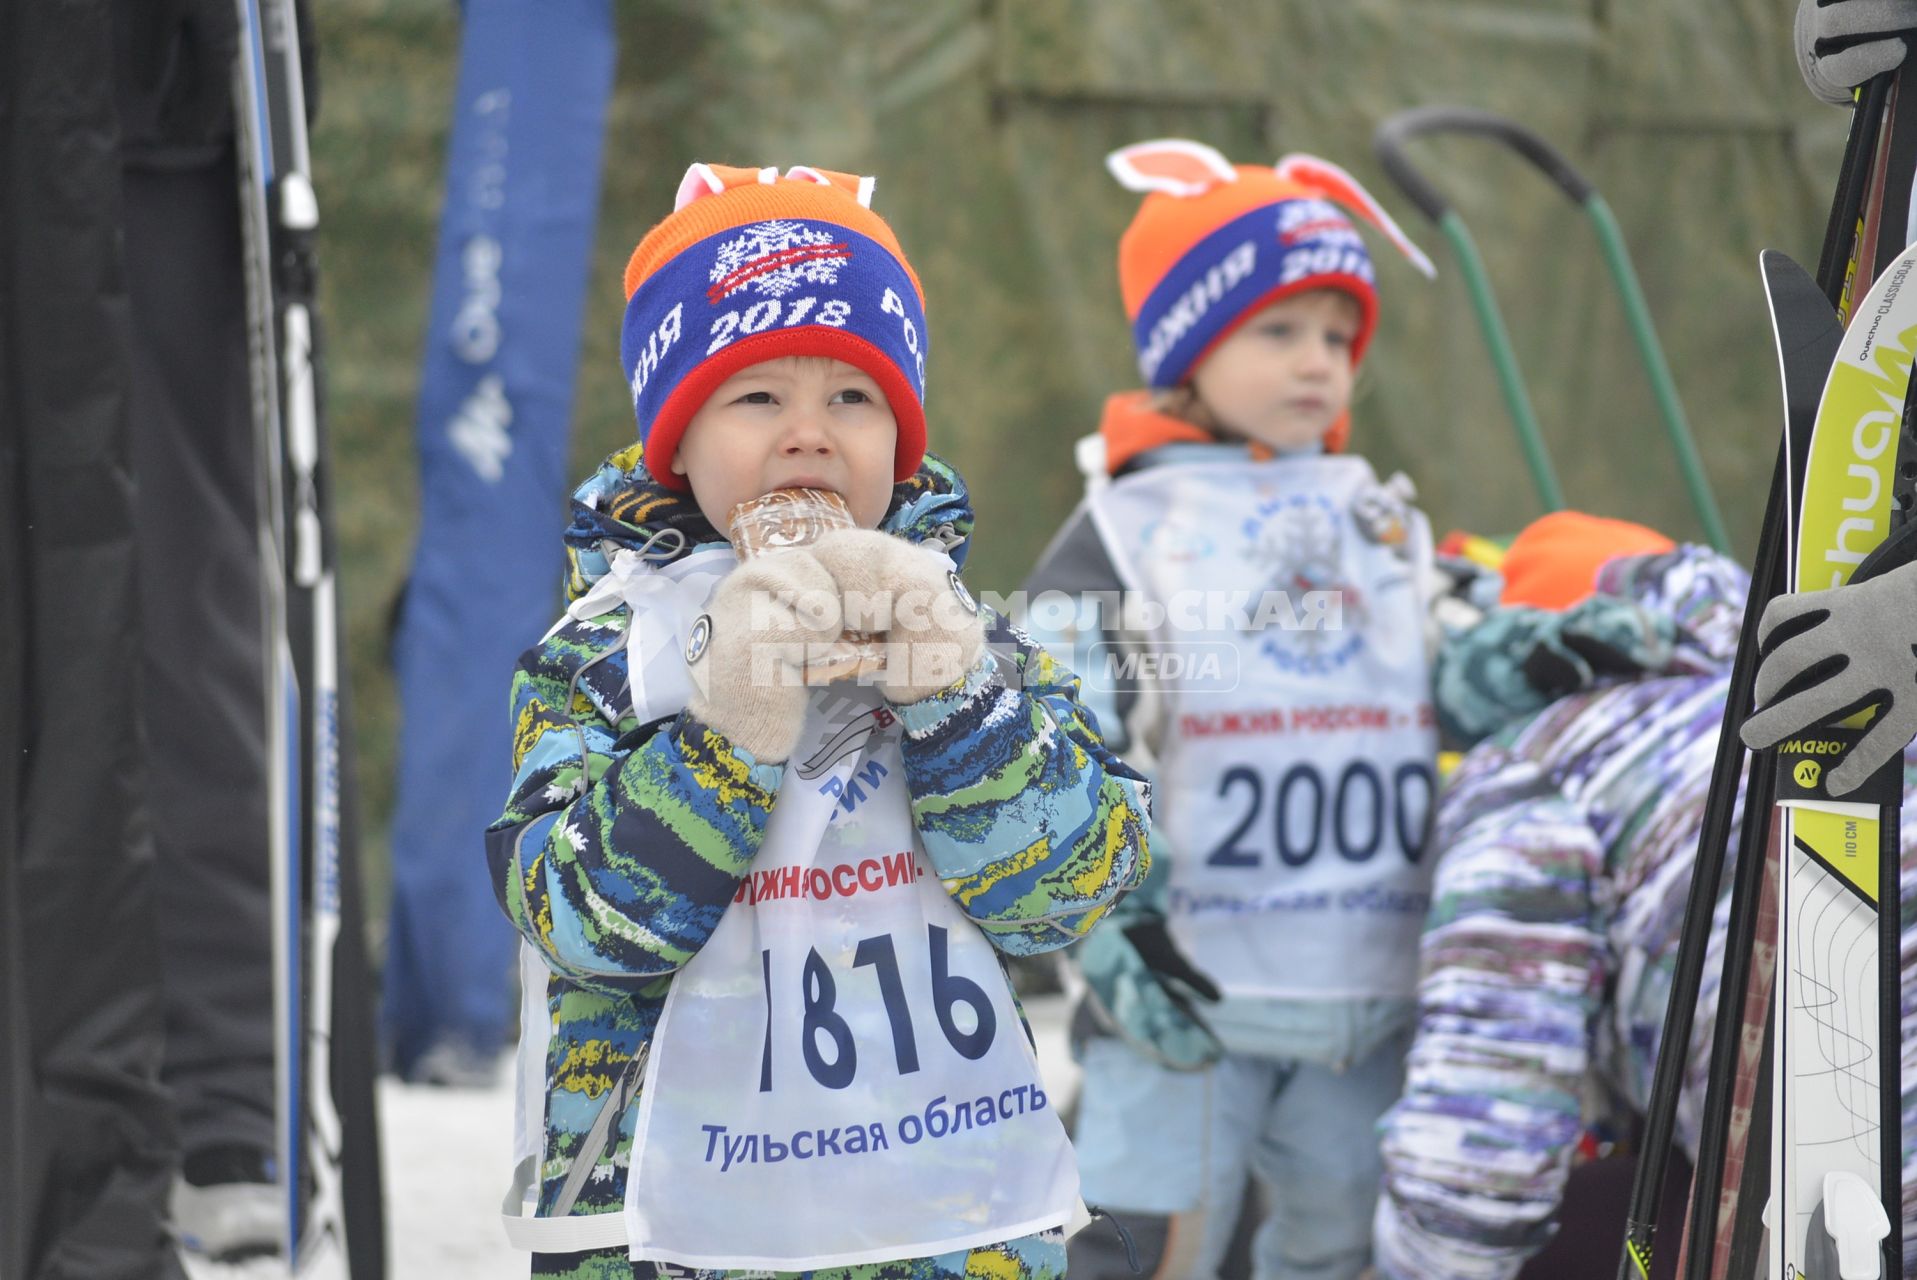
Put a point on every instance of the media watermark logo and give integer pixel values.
(1185, 642)
(1180, 616)
(1195, 667)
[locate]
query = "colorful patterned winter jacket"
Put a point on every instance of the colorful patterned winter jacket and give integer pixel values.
(1566, 843)
(622, 843)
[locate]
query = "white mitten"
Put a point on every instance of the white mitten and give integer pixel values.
(747, 652)
(913, 597)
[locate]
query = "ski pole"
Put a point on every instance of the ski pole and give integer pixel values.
(1426, 121)
(308, 798)
(1864, 238)
(1720, 806)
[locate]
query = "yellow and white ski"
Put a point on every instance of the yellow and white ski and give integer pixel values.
(1834, 1171)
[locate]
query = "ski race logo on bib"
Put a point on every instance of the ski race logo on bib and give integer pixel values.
(772, 259)
(852, 730)
(1300, 536)
(857, 734)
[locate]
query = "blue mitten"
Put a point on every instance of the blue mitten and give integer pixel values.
(1144, 986)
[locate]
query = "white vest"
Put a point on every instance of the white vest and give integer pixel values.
(840, 1075)
(1295, 762)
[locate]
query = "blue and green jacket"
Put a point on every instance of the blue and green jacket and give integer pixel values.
(622, 843)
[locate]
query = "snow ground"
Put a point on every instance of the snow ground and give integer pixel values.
(448, 1155)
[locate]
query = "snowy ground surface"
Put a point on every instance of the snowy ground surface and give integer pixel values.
(448, 1155)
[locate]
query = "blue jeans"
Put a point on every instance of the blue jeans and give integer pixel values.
(1155, 1141)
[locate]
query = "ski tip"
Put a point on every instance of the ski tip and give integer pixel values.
(1775, 264)
(1794, 291)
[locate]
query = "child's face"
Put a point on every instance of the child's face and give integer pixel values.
(1283, 377)
(794, 422)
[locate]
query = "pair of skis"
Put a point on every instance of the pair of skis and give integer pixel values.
(298, 597)
(1835, 1093)
(1803, 1107)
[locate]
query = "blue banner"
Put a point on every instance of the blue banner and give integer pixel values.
(495, 404)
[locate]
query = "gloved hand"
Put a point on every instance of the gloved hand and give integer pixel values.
(1596, 638)
(1153, 943)
(1145, 986)
(1827, 654)
(932, 628)
(1842, 43)
(746, 653)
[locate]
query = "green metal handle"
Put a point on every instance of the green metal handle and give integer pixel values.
(1657, 370)
(1427, 121)
(1504, 360)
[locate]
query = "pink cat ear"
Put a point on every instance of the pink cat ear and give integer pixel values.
(859, 188)
(700, 181)
(704, 180)
(1332, 182)
(1176, 166)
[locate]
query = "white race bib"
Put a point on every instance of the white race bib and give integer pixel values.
(1296, 773)
(840, 1075)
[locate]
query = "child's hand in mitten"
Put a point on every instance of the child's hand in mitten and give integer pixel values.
(914, 599)
(747, 653)
(1149, 990)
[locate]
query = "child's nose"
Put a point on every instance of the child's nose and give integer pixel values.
(806, 432)
(1319, 354)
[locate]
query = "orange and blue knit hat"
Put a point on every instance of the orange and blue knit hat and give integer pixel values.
(1213, 243)
(751, 266)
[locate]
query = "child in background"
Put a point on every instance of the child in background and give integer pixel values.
(1253, 1009)
(1562, 856)
(767, 1028)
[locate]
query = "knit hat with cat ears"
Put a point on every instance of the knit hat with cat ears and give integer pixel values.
(751, 266)
(1214, 243)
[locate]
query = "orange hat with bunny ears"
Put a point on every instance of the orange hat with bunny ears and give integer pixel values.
(1213, 243)
(751, 266)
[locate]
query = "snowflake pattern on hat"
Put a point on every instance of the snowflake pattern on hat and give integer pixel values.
(774, 258)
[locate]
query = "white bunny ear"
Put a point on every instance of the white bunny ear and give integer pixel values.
(700, 181)
(1333, 182)
(1176, 166)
